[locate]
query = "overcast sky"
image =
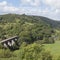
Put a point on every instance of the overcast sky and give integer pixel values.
(48, 8)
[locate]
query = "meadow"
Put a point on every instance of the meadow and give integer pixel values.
(54, 49)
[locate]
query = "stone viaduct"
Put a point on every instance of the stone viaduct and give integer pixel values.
(9, 42)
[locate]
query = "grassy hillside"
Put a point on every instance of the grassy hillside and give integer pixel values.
(28, 28)
(12, 17)
(54, 48)
(33, 32)
(53, 23)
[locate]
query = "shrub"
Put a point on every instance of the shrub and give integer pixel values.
(34, 52)
(5, 53)
(46, 55)
(1, 46)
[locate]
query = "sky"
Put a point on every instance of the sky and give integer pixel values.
(47, 8)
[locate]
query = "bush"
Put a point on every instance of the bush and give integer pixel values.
(46, 56)
(5, 53)
(1, 46)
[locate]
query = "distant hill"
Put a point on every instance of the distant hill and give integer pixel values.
(53, 23)
(38, 19)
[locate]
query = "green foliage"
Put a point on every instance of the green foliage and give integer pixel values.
(46, 55)
(5, 53)
(34, 52)
(1, 46)
(54, 48)
(30, 29)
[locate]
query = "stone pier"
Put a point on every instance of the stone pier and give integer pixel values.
(9, 42)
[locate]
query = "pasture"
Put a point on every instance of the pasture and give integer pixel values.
(54, 49)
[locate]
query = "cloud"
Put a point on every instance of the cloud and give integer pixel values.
(4, 3)
(53, 3)
(10, 9)
(48, 8)
(31, 2)
(7, 8)
(53, 7)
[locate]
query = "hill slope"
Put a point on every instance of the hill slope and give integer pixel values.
(28, 28)
(38, 19)
(33, 31)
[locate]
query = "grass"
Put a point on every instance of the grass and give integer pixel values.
(54, 49)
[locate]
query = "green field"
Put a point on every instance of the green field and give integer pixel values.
(54, 49)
